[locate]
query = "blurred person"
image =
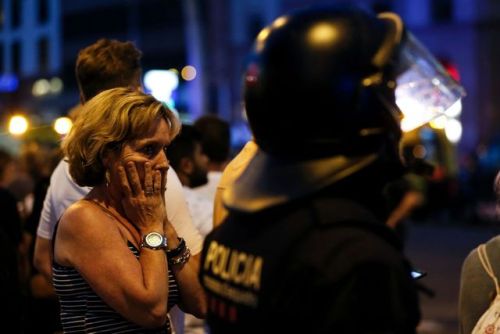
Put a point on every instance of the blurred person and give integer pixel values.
(305, 248)
(216, 144)
(134, 264)
(188, 159)
(411, 198)
(230, 174)
(11, 217)
(191, 163)
(40, 162)
(407, 195)
(10, 238)
(477, 288)
(470, 172)
(42, 306)
(22, 187)
(103, 65)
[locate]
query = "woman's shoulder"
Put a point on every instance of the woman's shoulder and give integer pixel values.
(77, 209)
(82, 215)
(472, 262)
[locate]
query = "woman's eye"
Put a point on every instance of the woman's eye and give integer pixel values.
(148, 150)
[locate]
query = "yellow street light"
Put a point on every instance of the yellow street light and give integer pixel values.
(18, 125)
(62, 125)
(188, 73)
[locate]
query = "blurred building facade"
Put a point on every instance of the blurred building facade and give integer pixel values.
(30, 49)
(39, 39)
(461, 32)
(30, 38)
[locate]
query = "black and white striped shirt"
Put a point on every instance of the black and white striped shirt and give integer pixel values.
(83, 311)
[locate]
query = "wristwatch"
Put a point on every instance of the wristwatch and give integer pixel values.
(154, 240)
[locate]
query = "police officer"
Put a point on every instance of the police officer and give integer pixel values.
(304, 248)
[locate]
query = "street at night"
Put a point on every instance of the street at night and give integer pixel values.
(231, 140)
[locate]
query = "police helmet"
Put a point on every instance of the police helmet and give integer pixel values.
(320, 92)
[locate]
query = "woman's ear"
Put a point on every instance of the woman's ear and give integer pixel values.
(106, 156)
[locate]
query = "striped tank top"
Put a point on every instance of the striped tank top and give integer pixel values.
(83, 311)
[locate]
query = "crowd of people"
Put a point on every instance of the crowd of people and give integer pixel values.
(141, 224)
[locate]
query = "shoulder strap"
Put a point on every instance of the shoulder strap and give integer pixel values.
(485, 261)
(128, 226)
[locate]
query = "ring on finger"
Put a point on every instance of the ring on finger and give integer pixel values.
(148, 192)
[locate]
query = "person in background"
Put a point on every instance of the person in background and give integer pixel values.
(10, 239)
(230, 174)
(42, 307)
(305, 248)
(11, 219)
(188, 159)
(134, 264)
(103, 65)
(191, 163)
(216, 144)
(477, 289)
(407, 195)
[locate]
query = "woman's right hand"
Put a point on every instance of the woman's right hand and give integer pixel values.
(143, 205)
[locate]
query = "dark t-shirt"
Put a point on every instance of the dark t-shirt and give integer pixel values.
(322, 266)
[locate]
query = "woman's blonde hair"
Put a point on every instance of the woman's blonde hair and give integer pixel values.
(107, 121)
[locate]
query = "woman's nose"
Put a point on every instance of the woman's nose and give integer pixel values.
(162, 161)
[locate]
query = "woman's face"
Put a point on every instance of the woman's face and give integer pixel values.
(150, 148)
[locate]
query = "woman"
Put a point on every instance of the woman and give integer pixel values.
(477, 287)
(118, 262)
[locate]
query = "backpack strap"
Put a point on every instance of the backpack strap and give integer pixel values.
(485, 261)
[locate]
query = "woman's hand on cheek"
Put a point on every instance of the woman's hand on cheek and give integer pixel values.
(143, 204)
(163, 181)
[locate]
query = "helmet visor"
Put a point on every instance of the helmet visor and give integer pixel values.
(424, 88)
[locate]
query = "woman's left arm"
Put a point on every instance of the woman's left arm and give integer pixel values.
(192, 296)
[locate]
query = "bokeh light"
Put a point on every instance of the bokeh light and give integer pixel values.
(18, 125)
(62, 125)
(188, 73)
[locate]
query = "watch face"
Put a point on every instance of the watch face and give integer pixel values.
(154, 239)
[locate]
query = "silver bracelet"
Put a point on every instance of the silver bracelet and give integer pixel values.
(181, 259)
(180, 249)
